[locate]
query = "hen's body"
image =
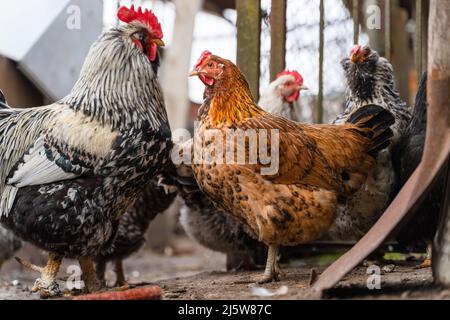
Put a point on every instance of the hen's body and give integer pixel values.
(294, 202)
(70, 170)
(212, 227)
(370, 82)
(420, 230)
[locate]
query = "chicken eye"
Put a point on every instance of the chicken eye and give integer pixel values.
(210, 65)
(140, 37)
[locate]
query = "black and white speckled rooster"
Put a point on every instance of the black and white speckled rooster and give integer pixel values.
(370, 80)
(210, 226)
(71, 169)
(9, 243)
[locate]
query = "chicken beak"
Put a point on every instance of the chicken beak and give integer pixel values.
(158, 42)
(194, 73)
(303, 87)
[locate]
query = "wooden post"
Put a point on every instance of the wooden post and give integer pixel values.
(388, 29)
(355, 13)
(248, 41)
(439, 101)
(277, 37)
(418, 39)
(319, 118)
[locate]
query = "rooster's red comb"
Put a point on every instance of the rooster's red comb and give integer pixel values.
(146, 17)
(294, 73)
(205, 54)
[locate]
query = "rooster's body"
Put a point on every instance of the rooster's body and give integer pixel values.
(318, 165)
(70, 170)
(370, 81)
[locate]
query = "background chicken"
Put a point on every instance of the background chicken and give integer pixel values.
(157, 198)
(9, 243)
(210, 226)
(370, 80)
(318, 164)
(418, 233)
(70, 170)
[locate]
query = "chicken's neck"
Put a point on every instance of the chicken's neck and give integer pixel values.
(231, 103)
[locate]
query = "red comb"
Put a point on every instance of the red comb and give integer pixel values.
(146, 17)
(356, 49)
(205, 54)
(294, 73)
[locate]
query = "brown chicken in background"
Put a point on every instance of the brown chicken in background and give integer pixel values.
(318, 165)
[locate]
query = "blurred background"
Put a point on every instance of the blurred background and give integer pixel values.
(43, 44)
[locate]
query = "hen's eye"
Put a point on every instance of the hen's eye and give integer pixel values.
(210, 64)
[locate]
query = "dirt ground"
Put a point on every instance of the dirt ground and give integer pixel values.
(188, 271)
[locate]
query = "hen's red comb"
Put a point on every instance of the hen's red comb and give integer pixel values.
(294, 73)
(146, 17)
(205, 54)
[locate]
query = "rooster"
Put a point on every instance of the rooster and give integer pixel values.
(370, 81)
(418, 233)
(213, 228)
(318, 165)
(71, 169)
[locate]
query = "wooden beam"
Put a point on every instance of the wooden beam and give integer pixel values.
(355, 13)
(438, 100)
(319, 117)
(277, 37)
(248, 41)
(418, 39)
(388, 29)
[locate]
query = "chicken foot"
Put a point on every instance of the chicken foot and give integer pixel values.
(120, 274)
(427, 262)
(91, 283)
(46, 285)
(272, 271)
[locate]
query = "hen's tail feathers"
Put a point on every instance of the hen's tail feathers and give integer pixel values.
(418, 124)
(378, 120)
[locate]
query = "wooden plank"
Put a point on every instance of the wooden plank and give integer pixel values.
(388, 29)
(248, 41)
(418, 39)
(277, 37)
(355, 14)
(319, 116)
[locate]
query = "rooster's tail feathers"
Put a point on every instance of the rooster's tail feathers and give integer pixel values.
(374, 122)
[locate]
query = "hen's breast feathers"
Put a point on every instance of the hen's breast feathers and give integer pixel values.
(48, 144)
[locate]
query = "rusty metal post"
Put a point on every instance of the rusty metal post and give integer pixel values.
(355, 14)
(248, 41)
(277, 37)
(319, 117)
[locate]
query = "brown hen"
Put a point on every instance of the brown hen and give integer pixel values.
(292, 198)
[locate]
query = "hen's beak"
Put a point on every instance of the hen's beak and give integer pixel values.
(194, 73)
(303, 87)
(158, 42)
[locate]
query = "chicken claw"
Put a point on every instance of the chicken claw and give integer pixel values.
(272, 271)
(46, 285)
(91, 283)
(120, 275)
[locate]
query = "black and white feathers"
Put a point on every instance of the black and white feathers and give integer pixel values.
(71, 169)
(370, 80)
(9, 243)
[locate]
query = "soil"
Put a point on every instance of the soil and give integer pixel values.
(189, 271)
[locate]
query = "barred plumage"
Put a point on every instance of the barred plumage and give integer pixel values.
(70, 170)
(370, 80)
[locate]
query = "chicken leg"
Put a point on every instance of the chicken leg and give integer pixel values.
(120, 275)
(427, 262)
(272, 271)
(46, 285)
(91, 283)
